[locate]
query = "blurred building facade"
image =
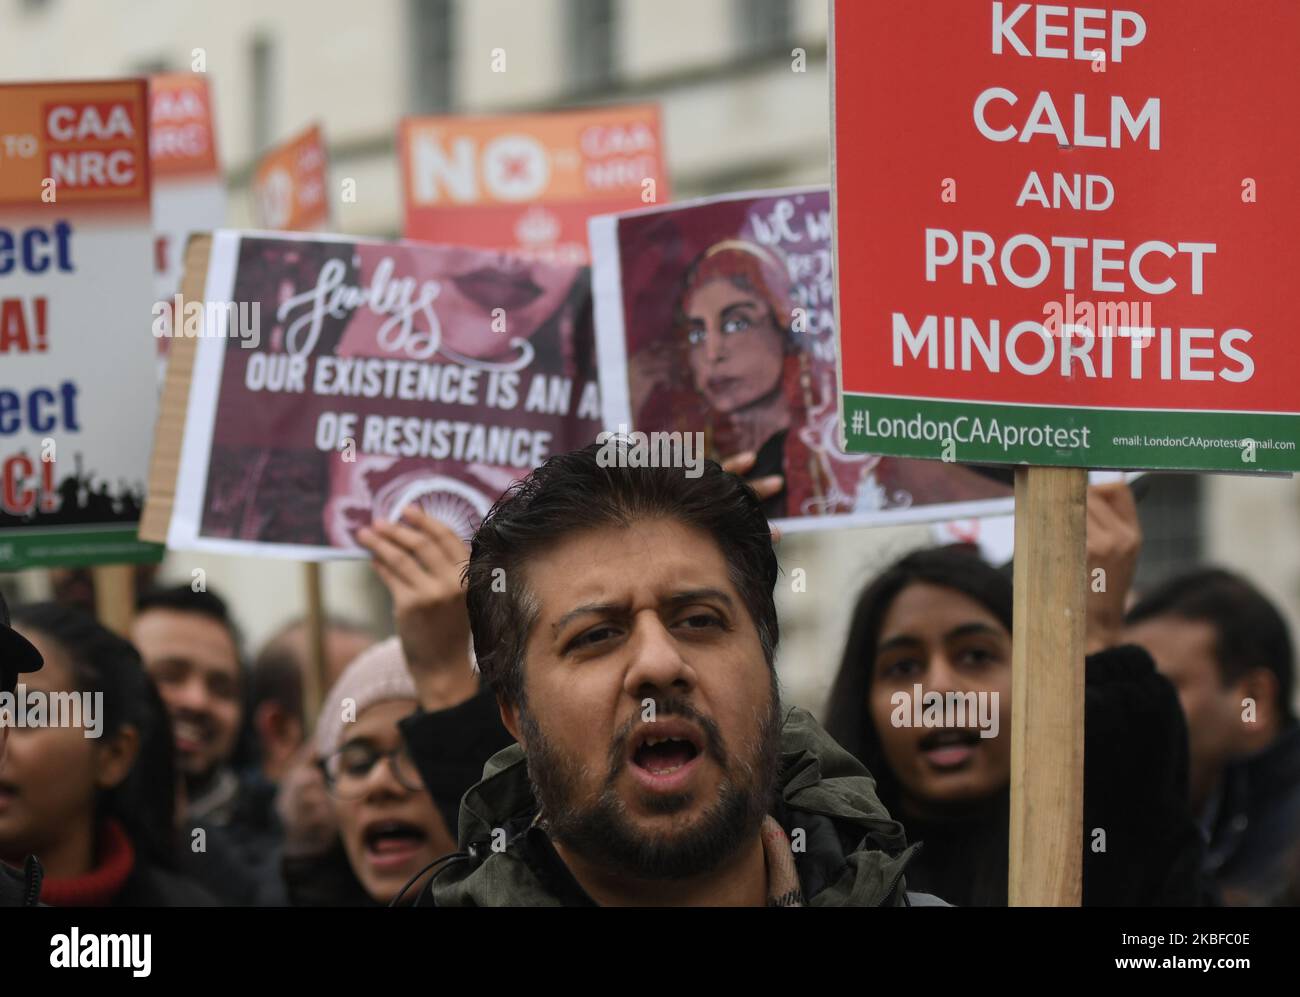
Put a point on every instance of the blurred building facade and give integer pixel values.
(743, 86)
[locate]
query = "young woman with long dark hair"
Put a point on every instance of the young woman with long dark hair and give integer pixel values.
(941, 619)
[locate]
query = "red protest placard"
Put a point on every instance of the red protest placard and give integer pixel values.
(1065, 233)
(528, 183)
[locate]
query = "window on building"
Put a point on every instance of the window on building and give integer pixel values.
(1169, 512)
(593, 59)
(264, 93)
(764, 25)
(151, 67)
(433, 55)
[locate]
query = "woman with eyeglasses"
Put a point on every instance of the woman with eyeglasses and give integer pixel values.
(389, 828)
(733, 315)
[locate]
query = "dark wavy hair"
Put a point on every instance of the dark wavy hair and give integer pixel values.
(184, 599)
(958, 567)
(573, 492)
(145, 801)
(1249, 631)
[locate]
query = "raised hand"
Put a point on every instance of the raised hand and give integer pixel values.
(420, 560)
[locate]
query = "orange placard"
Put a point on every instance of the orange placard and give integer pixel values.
(289, 186)
(529, 182)
(182, 141)
(74, 143)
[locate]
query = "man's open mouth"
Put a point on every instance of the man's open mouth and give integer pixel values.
(664, 757)
(665, 750)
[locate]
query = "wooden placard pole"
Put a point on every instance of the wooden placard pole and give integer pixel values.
(315, 681)
(115, 596)
(165, 463)
(1047, 688)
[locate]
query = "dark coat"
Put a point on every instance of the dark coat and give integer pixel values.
(152, 886)
(1141, 846)
(1254, 851)
(240, 861)
(450, 748)
(21, 887)
(324, 880)
(855, 853)
(146, 886)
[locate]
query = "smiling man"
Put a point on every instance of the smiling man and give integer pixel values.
(190, 647)
(624, 619)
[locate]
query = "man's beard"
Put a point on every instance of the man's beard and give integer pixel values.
(602, 832)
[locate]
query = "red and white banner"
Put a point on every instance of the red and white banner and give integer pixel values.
(1066, 234)
(528, 183)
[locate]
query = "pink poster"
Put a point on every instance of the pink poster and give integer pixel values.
(717, 317)
(337, 380)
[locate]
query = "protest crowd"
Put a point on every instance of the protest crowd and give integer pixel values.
(576, 692)
(475, 768)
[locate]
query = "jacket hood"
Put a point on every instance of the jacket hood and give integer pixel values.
(853, 852)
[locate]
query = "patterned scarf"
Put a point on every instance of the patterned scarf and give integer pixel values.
(783, 889)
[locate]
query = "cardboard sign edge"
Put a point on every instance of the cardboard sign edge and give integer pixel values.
(165, 461)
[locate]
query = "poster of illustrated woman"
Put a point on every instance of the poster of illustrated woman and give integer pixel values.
(716, 316)
(337, 380)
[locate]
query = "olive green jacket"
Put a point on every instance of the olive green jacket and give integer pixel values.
(853, 853)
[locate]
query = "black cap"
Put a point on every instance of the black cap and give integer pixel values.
(16, 652)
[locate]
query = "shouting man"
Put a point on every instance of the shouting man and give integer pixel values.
(624, 620)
